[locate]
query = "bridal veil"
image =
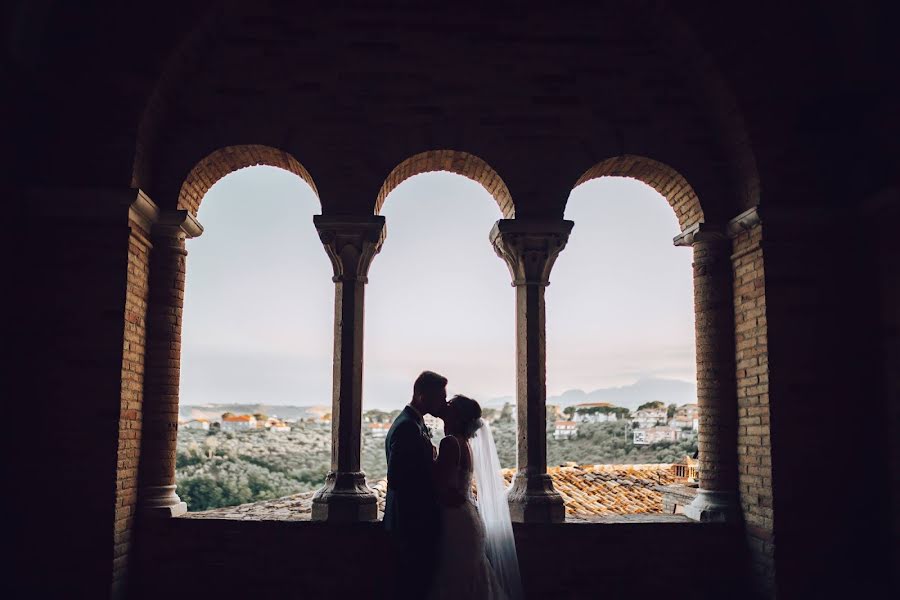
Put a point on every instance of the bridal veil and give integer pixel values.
(500, 545)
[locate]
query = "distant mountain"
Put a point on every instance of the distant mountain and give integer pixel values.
(668, 391)
(213, 412)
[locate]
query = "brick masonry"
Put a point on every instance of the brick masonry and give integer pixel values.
(131, 409)
(754, 438)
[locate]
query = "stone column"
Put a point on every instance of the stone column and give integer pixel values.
(351, 245)
(529, 249)
(717, 498)
(156, 495)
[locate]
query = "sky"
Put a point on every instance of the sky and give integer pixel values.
(259, 300)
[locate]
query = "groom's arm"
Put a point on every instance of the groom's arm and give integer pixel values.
(405, 466)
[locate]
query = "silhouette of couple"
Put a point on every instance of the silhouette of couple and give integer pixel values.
(448, 545)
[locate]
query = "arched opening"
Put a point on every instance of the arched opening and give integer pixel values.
(670, 184)
(254, 402)
(437, 299)
(623, 417)
(451, 161)
(621, 353)
(230, 159)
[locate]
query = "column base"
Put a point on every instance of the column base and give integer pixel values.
(345, 498)
(532, 499)
(713, 507)
(160, 501)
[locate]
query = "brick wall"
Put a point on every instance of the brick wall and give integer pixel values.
(752, 374)
(129, 439)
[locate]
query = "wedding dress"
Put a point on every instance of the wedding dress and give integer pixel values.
(477, 558)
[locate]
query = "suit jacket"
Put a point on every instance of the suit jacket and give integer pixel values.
(410, 508)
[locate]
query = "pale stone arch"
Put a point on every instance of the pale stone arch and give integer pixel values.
(226, 160)
(661, 177)
(452, 161)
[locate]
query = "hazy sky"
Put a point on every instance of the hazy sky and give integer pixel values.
(259, 298)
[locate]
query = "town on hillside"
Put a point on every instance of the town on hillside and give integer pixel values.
(652, 422)
(229, 455)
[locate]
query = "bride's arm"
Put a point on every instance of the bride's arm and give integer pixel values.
(446, 469)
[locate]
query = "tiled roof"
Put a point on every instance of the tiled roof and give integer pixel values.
(238, 418)
(587, 490)
(598, 490)
(594, 405)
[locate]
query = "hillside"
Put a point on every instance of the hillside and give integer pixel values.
(227, 468)
(667, 391)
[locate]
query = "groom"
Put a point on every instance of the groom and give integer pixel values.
(411, 512)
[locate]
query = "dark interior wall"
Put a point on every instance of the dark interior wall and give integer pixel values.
(882, 268)
(633, 560)
(64, 372)
(830, 424)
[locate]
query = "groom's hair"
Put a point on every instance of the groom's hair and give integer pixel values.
(429, 381)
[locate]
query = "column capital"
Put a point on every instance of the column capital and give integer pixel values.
(744, 221)
(351, 244)
(700, 233)
(177, 223)
(530, 247)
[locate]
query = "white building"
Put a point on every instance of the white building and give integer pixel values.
(238, 422)
(686, 417)
(196, 424)
(649, 417)
(565, 430)
(654, 435)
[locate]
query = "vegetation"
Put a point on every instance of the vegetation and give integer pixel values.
(656, 404)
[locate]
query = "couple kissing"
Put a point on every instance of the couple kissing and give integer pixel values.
(448, 544)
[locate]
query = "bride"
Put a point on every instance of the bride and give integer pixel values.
(477, 553)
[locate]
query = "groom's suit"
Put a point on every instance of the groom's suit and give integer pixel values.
(411, 510)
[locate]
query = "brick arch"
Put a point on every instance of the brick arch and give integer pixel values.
(452, 161)
(229, 159)
(661, 177)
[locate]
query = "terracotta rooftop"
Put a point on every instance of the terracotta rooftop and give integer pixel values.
(238, 418)
(587, 490)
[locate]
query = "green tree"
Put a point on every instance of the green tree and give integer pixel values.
(506, 412)
(653, 404)
(201, 492)
(569, 411)
(670, 411)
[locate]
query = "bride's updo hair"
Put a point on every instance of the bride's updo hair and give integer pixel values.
(469, 415)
